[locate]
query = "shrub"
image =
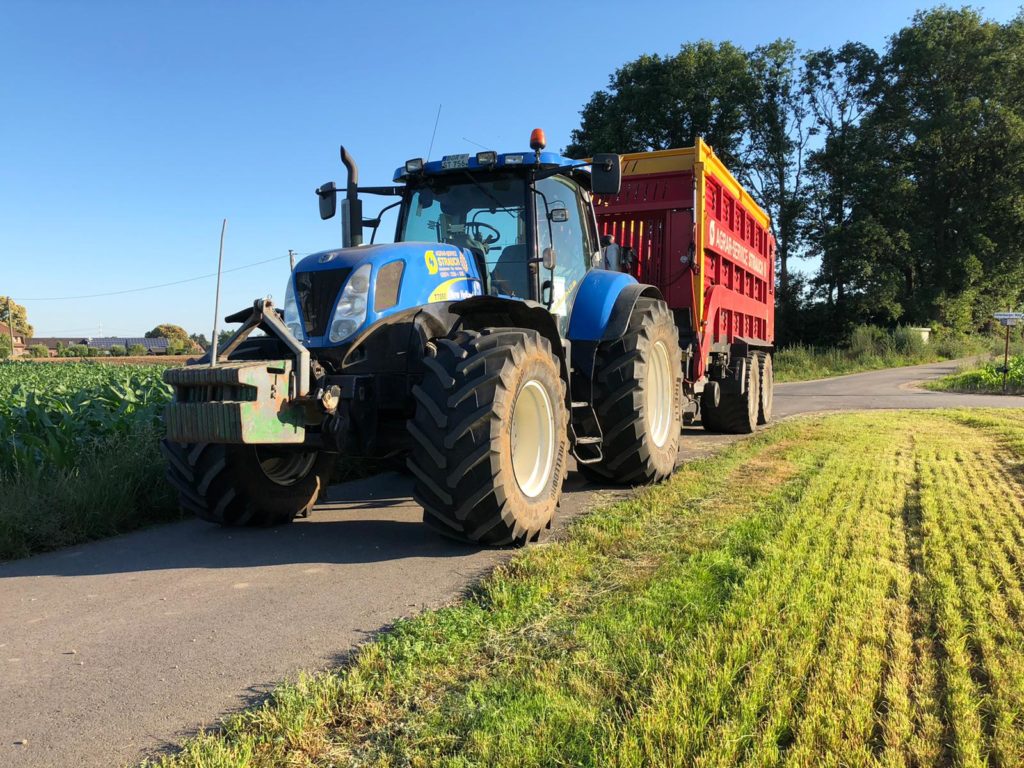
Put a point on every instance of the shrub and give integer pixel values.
(117, 350)
(38, 350)
(76, 350)
(137, 350)
(867, 340)
(908, 341)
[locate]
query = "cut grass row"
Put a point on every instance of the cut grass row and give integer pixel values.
(836, 591)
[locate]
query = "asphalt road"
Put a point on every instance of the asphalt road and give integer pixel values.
(117, 649)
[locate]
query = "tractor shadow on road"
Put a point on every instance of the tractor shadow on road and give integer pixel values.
(364, 521)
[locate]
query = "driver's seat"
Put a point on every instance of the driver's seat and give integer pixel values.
(511, 277)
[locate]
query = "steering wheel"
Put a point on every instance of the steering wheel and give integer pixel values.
(490, 239)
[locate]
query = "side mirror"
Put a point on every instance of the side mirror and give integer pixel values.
(328, 194)
(548, 258)
(559, 214)
(605, 174)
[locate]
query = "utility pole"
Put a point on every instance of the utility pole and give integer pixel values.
(291, 259)
(216, 300)
(10, 324)
(1006, 358)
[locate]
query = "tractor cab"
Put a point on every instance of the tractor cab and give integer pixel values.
(523, 220)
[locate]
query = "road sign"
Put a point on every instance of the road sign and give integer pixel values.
(1009, 318)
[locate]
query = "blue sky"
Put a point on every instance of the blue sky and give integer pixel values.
(130, 129)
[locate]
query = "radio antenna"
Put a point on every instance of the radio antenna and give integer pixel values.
(436, 121)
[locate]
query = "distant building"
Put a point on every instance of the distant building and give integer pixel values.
(19, 340)
(102, 343)
(153, 346)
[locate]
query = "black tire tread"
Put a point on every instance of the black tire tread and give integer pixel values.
(733, 415)
(458, 483)
(205, 478)
(618, 397)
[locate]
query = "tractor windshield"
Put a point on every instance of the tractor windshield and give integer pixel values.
(488, 216)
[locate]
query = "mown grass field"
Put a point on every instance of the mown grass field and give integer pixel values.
(985, 378)
(842, 590)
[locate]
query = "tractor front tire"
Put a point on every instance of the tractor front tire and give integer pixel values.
(490, 436)
(638, 399)
(246, 485)
(737, 414)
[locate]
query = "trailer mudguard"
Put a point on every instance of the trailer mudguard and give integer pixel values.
(603, 304)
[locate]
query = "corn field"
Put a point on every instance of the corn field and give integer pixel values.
(53, 415)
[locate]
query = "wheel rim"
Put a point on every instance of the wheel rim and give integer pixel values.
(533, 438)
(659, 395)
(285, 468)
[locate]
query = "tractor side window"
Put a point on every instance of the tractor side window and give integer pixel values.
(560, 225)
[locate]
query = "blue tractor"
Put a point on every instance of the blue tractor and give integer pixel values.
(486, 344)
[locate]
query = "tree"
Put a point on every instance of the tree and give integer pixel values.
(778, 131)
(177, 338)
(5, 347)
(841, 86)
(200, 340)
(20, 317)
(658, 102)
(948, 133)
(38, 350)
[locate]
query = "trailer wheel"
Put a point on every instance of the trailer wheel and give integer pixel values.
(766, 401)
(489, 436)
(638, 399)
(737, 414)
(246, 485)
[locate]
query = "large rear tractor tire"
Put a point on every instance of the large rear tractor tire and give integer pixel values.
(737, 414)
(766, 402)
(246, 485)
(638, 399)
(490, 436)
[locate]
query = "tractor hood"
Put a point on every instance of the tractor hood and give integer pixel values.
(346, 290)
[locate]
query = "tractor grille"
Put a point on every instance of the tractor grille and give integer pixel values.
(317, 293)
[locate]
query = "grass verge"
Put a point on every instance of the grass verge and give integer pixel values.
(985, 378)
(116, 487)
(841, 590)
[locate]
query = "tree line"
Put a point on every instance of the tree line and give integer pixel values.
(899, 173)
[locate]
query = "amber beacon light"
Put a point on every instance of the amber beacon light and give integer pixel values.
(537, 139)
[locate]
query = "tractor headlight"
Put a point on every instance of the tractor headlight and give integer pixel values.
(291, 311)
(350, 313)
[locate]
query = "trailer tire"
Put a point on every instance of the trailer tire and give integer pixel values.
(489, 436)
(766, 398)
(737, 413)
(246, 485)
(638, 399)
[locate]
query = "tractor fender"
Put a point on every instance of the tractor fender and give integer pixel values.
(604, 303)
(479, 312)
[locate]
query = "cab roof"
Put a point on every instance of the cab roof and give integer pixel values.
(471, 162)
